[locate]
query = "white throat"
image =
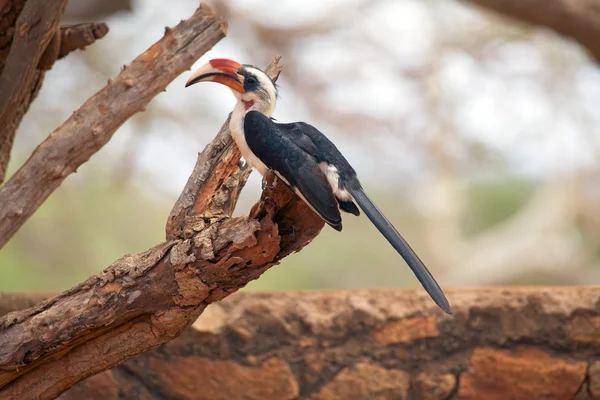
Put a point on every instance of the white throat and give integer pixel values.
(261, 100)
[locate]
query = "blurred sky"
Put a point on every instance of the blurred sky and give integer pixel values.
(423, 97)
(513, 102)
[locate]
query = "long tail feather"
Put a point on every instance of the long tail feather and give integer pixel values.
(402, 247)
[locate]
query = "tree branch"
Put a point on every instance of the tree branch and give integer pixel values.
(94, 123)
(146, 299)
(577, 19)
(20, 80)
(501, 343)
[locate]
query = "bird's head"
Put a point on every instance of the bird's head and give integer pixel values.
(251, 86)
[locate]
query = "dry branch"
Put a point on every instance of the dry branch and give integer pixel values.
(36, 22)
(146, 299)
(94, 123)
(501, 343)
(577, 19)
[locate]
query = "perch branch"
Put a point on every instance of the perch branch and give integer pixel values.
(501, 343)
(577, 19)
(94, 123)
(146, 299)
(20, 80)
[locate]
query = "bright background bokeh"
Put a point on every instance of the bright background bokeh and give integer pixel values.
(476, 135)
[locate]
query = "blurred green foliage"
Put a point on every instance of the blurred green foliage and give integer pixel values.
(91, 221)
(489, 203)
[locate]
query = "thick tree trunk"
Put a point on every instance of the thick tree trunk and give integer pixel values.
(505, 344)
(30, 42)
(26, 29)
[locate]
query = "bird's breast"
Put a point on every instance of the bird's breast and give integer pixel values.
(236, 127)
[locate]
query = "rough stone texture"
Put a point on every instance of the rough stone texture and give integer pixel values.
(584, 393)
(101, 386)
(273, 380)
(366, 381)
(525, 374)
(500, 344)
(594, 383)
(431, 386)
(406, 330)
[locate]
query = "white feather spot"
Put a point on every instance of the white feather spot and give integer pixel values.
(333, 177)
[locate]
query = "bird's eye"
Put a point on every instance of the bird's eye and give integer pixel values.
(251, 80)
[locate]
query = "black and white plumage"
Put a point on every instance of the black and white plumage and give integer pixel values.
(304, 158)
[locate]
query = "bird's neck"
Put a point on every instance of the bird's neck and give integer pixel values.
(244, 106)
(236, 124)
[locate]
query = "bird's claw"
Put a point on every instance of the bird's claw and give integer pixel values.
(265, 185)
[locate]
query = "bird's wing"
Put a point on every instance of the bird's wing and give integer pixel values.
(294, 163)
(298, 134)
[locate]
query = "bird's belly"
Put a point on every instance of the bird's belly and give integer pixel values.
(249, 156)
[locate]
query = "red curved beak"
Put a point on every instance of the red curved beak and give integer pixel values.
(220, 70)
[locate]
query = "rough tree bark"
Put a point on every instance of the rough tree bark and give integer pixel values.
(577, 19)
(27, 27)
(501, 343)
(146, 299)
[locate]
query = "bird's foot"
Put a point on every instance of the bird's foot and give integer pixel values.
(265, 178)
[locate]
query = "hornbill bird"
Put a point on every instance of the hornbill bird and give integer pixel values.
(303, 158)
